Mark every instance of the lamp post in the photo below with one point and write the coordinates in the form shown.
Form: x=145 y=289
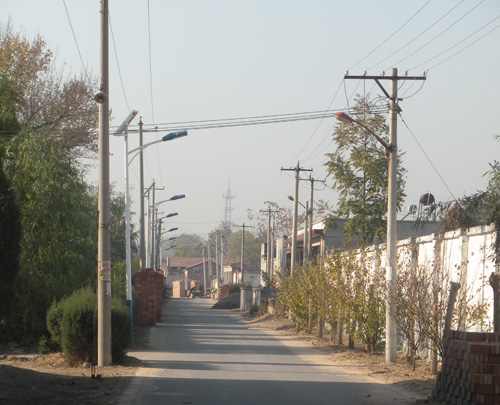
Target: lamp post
x=123 y=128
x=152 y=225
x=391 y=149
x=157 y=253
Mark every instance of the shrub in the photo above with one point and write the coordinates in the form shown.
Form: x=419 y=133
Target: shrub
x=72 y=324
x=54 y=318
x=77 y=326
x=120 y=329
x=233 y=288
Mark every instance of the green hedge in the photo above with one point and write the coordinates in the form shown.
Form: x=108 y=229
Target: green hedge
x=71 y=325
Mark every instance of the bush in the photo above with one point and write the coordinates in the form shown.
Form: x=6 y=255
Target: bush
x=120 y=329
x=233 y=288
x=54 y=318
x=71 y=324
x=77 y=326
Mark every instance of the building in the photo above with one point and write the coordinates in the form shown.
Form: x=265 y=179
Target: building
x=322 y=241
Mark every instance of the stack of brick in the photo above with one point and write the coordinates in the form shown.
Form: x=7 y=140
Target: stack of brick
x=223 y=291
x=158 y=282
x=470 y=372
x=178 y=289
x=148 y=284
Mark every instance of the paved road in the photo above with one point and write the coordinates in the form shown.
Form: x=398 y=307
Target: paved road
x=202 y=356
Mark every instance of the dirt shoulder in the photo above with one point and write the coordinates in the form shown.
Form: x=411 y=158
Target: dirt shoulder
x=419 y=383
x=28 y=378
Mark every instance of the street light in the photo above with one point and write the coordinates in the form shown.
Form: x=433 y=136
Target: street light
x=391 y=150
x=152 y=226
x=123 y=128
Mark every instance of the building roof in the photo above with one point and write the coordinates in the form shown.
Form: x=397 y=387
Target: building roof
x=183 y=262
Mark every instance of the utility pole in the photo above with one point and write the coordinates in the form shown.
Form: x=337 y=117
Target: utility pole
x=217 y=258
x=270 y=241
x=391 y=271
x=222 y=256
x=297 y=171
x=312 y=180
x=243 y=248
x=150 y=225
x=305 y=255
x=142 y=246
x=103 y=248
x=204 y=272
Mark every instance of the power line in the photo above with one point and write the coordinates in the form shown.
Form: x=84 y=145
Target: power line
x=117 y=62
x=441 y=33
x=390 y=36
x=76 y=41
x=427 y=156
x=418 y=36
x=150 y=66
x=461 y=41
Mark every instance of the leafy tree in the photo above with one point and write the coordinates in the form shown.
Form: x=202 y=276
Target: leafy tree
x=188 y=245
x=10 y=222
x=358 y=168
x=49 y=101
x=58 y=245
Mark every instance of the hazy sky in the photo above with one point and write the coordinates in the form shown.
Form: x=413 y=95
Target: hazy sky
x=216 y=59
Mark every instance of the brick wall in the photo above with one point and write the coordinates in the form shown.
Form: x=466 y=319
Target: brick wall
x=178 y=289
x=148 y=284
x=470 y=372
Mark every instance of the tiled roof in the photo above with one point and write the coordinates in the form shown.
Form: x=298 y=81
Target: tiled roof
x=183 y=262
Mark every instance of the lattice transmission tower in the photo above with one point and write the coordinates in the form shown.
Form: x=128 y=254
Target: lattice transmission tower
x=228 y=207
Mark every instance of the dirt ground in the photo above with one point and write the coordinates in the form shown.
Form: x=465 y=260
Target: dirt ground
x=27 y=378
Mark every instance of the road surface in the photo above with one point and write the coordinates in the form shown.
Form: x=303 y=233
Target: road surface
x=202 y=356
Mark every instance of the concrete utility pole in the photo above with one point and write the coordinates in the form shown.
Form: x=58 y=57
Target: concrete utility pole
x=391 y=271
x=217 y=258
x=103 y=247
x=142 y=242
x=204 y=272
x=243 y=249
x=297 y=171
x=269 y=253
x=312 y=180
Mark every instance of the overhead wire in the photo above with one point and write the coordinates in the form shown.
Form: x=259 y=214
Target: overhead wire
x=427 y=156
x=118 y=62
x=390 y=36
x=460 y=42
x=441 y=33
x=418 y=36
x=76 y=41
x=317 y=126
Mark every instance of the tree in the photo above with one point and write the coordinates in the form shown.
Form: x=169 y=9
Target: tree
x=188 y=245
x=282 y=219
x=49 y=101
x=359 y=171
x=58 y=245
x=10 y=222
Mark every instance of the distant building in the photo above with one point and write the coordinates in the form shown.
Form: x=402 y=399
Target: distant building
x=323 y=241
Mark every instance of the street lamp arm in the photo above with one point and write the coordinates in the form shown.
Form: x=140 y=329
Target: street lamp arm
x=169 y=137
x=173 y=198
x=346 y=119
